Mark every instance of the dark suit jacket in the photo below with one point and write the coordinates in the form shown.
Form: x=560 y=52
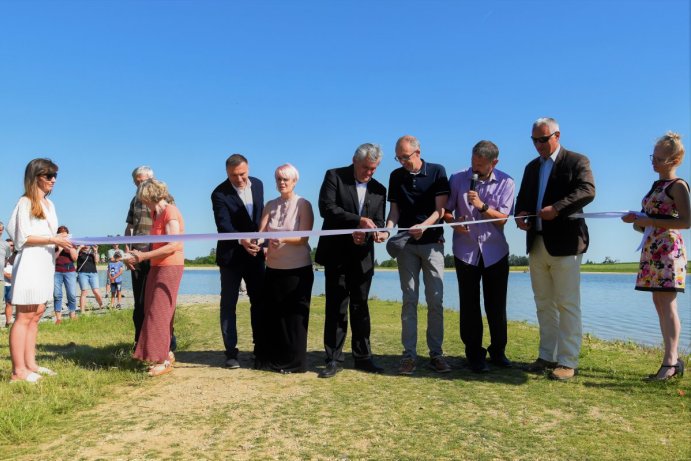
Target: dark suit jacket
x=570 y=187
x=231 y=216
x=338 y=205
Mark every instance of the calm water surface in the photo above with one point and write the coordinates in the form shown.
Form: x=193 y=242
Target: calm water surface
x=611 y=308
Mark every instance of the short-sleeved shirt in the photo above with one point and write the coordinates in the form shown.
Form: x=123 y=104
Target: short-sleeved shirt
x=139 y=219
x=114 y=268
x=484 y=239
x=415 y=195
x=4 y=252
x=158 y=227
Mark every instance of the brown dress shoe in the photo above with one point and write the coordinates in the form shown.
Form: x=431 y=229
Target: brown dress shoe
x=541 y=365
x=562 y=373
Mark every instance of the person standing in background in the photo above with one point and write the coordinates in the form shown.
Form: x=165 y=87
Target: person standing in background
x=65 y=274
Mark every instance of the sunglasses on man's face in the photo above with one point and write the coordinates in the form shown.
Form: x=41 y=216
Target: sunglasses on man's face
x=50 y=176
x=543 y=139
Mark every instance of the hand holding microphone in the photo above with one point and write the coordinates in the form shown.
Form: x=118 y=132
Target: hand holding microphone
x=473 y=197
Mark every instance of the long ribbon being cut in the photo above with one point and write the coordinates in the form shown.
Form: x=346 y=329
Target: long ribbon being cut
x=128 y=239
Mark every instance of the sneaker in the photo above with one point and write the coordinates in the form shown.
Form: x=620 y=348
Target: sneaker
x=232 y=363
x=562 y=373
x=407 y=366
x=439 y=364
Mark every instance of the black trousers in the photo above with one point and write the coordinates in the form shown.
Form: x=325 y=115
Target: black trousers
x=347 y=289
x=252 y=270
x=495 y=280
x=288 y=292
x=138 y=287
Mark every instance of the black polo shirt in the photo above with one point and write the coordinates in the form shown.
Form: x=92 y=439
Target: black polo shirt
x=415 y=196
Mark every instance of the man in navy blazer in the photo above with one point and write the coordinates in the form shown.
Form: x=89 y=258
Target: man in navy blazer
x=238 y=203
x=350 y=199
x=555 y=185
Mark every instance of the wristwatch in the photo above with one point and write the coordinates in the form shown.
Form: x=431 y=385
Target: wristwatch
x=484 y=208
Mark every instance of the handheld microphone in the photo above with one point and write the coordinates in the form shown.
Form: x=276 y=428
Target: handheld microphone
x=473 y=184
x=473 y=181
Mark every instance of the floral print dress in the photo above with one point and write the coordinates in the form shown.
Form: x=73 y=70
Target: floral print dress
x=663 y=258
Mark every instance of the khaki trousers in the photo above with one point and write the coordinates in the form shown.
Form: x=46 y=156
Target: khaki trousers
x=556 y=282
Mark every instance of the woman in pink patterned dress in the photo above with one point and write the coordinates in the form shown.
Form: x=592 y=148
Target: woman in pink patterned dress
x=663 y=257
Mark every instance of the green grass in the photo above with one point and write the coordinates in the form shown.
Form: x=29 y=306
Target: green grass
x=606 y=412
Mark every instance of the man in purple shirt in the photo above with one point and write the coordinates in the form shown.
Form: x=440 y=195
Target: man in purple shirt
x=481 y=252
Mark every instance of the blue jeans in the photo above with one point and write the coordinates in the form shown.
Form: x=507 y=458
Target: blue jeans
x=70 y=281
x=430 y=259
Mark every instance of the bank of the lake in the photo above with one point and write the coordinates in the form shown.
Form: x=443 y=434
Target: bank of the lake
x=101 y=406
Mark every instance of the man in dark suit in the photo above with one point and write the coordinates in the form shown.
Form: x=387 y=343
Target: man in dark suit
x=238 y=203
x=350 y=199
x=555 y=185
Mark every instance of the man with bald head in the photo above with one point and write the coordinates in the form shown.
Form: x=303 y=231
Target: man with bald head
x=555 y=185
x=418 y=192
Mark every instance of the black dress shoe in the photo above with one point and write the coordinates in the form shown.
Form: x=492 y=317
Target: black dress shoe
x=501 y=362
x=330 y=370
x=368 y=365
x=479 y=366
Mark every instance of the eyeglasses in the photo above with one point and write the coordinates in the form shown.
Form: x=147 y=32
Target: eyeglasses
x=543 y=139
x=50 y=176
x=404 y=158
x=664 y=161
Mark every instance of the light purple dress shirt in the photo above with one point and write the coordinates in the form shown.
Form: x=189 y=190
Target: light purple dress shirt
x=484 y=239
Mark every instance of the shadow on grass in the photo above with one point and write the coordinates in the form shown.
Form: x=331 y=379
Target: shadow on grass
x=113 y=355
x=315 y=363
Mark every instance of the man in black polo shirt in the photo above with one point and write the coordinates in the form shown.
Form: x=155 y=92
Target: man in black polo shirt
x=418 y=192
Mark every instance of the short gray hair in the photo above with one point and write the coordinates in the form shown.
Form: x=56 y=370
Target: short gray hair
x=550 y=122
x=371 y=152
x=486 y=149
x=142 y=170
x=411 y=140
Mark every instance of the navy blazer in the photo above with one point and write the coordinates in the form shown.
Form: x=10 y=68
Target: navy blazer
x=570 y=187
x=232 y=216
x=338 y=205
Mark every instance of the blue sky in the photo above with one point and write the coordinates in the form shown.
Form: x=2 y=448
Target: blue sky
x=101 y=87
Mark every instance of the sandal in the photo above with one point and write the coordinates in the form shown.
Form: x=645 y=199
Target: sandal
x=161 y=368
x=31 y=378
x=45 y=371
x=678 y=372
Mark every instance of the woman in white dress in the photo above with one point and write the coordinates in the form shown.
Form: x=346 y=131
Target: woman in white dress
x=33 y=227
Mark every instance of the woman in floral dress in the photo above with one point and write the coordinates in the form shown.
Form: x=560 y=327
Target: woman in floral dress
x=666 y=212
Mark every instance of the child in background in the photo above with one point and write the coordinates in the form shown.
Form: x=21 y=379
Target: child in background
x=7 y=275
x=115 y=269
x=662 y=270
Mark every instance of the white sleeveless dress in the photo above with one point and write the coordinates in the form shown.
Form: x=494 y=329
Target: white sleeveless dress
x=34 y=266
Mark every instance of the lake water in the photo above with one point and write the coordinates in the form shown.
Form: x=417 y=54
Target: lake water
x=611 y=308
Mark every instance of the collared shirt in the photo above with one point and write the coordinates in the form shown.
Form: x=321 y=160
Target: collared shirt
x=361 y=188
x=415 y=194
x=545 y=170
x=246 y=196
x=139 y=219
x=484 y=239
